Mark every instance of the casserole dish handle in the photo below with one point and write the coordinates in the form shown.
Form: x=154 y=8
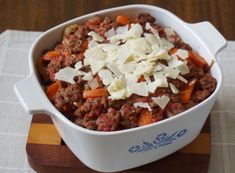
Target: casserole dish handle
x=27 y=92
x=209 y=35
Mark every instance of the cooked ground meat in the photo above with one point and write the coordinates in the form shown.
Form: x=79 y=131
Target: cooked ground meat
x=175 y=108
x=75 y=41
x=143 y=18
x=108 y=121
x=195 y=71
x=92 y=108
x=199 y=95
x=66 y=96
x=102 y=113
x=54 y=66
x=208 y=83
x=129 y=116
x=101 y=26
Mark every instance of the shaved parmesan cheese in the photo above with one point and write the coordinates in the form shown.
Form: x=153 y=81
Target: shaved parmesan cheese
x=122 y=29
x=78 y=65
x=147 y=78
x=158 y=54
x=95 y=53
x=106 y=76
x=110 y=33
x=151 y=39
x=140 y=88
x=108 y=47
x=66 y=74
x=128 y=67
x=143 y=67
x=160 y=79
x=87 y=76
x=95 y=36
x=173 y=88
x=164 y=44
x=170 y=72
x=182 y=53
x=182 y=79
x=161 y=101
x=140 y=45
x=135 y=31
x=131 y=77
x=117 y=84
x=153 y=30
x=142 y=105
x=114 y=68
x=179 y=65
x=96 y=65
x=117 y=88
x=170 y=34
x=123 y=55
x=157 y=68
x=117 y=95
x=92 y=43
x=183 y=68
x=86 y=61
x=152 y=86
x=93 y=84
x=174 y=62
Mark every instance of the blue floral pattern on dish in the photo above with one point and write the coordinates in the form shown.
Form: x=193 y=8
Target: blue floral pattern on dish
x=160 y=140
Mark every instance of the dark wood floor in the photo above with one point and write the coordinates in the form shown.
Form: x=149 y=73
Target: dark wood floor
x=40 y=15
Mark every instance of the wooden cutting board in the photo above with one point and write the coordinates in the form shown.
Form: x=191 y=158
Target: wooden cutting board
x=47 y=153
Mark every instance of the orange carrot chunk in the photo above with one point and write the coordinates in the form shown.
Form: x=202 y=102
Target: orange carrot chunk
x=145 y=118
x=52 y=89
x=197 y=59
x=186 y=93
x=172 y=51
x=122 y=19
x=50 y=55
x=98 y=92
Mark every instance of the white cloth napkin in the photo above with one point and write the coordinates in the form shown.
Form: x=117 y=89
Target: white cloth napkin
x=14 y=122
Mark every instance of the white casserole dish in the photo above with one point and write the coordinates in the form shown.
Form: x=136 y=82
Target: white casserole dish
x=120 y=150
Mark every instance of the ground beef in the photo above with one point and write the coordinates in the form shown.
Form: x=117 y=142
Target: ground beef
x=160 y=30
x=208 y=83
x=175 y=108
x=75 y=41
x=116 y=104
x=199 y=95
x=66 y=96
x=195 y=71
x=129 y=116
x=181 y=45
x=54 y=66
x=143 y=18
x=178 y=83
x=101 y=26
x=72 y=59
x=92 y=108
x=108 y=121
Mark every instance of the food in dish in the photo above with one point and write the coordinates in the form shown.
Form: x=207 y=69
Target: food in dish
x=111 y=74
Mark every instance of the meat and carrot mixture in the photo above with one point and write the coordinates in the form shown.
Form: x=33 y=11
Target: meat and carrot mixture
x=110 y=74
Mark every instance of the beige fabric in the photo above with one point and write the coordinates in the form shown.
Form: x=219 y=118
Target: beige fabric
x=14 y=122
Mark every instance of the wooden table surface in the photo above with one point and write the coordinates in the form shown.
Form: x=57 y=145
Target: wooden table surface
x=40 y=15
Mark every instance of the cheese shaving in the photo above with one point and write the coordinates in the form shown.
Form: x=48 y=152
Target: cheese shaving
x=95 y=36
x=161 y=101
x=66 y=74
x=173 y=88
